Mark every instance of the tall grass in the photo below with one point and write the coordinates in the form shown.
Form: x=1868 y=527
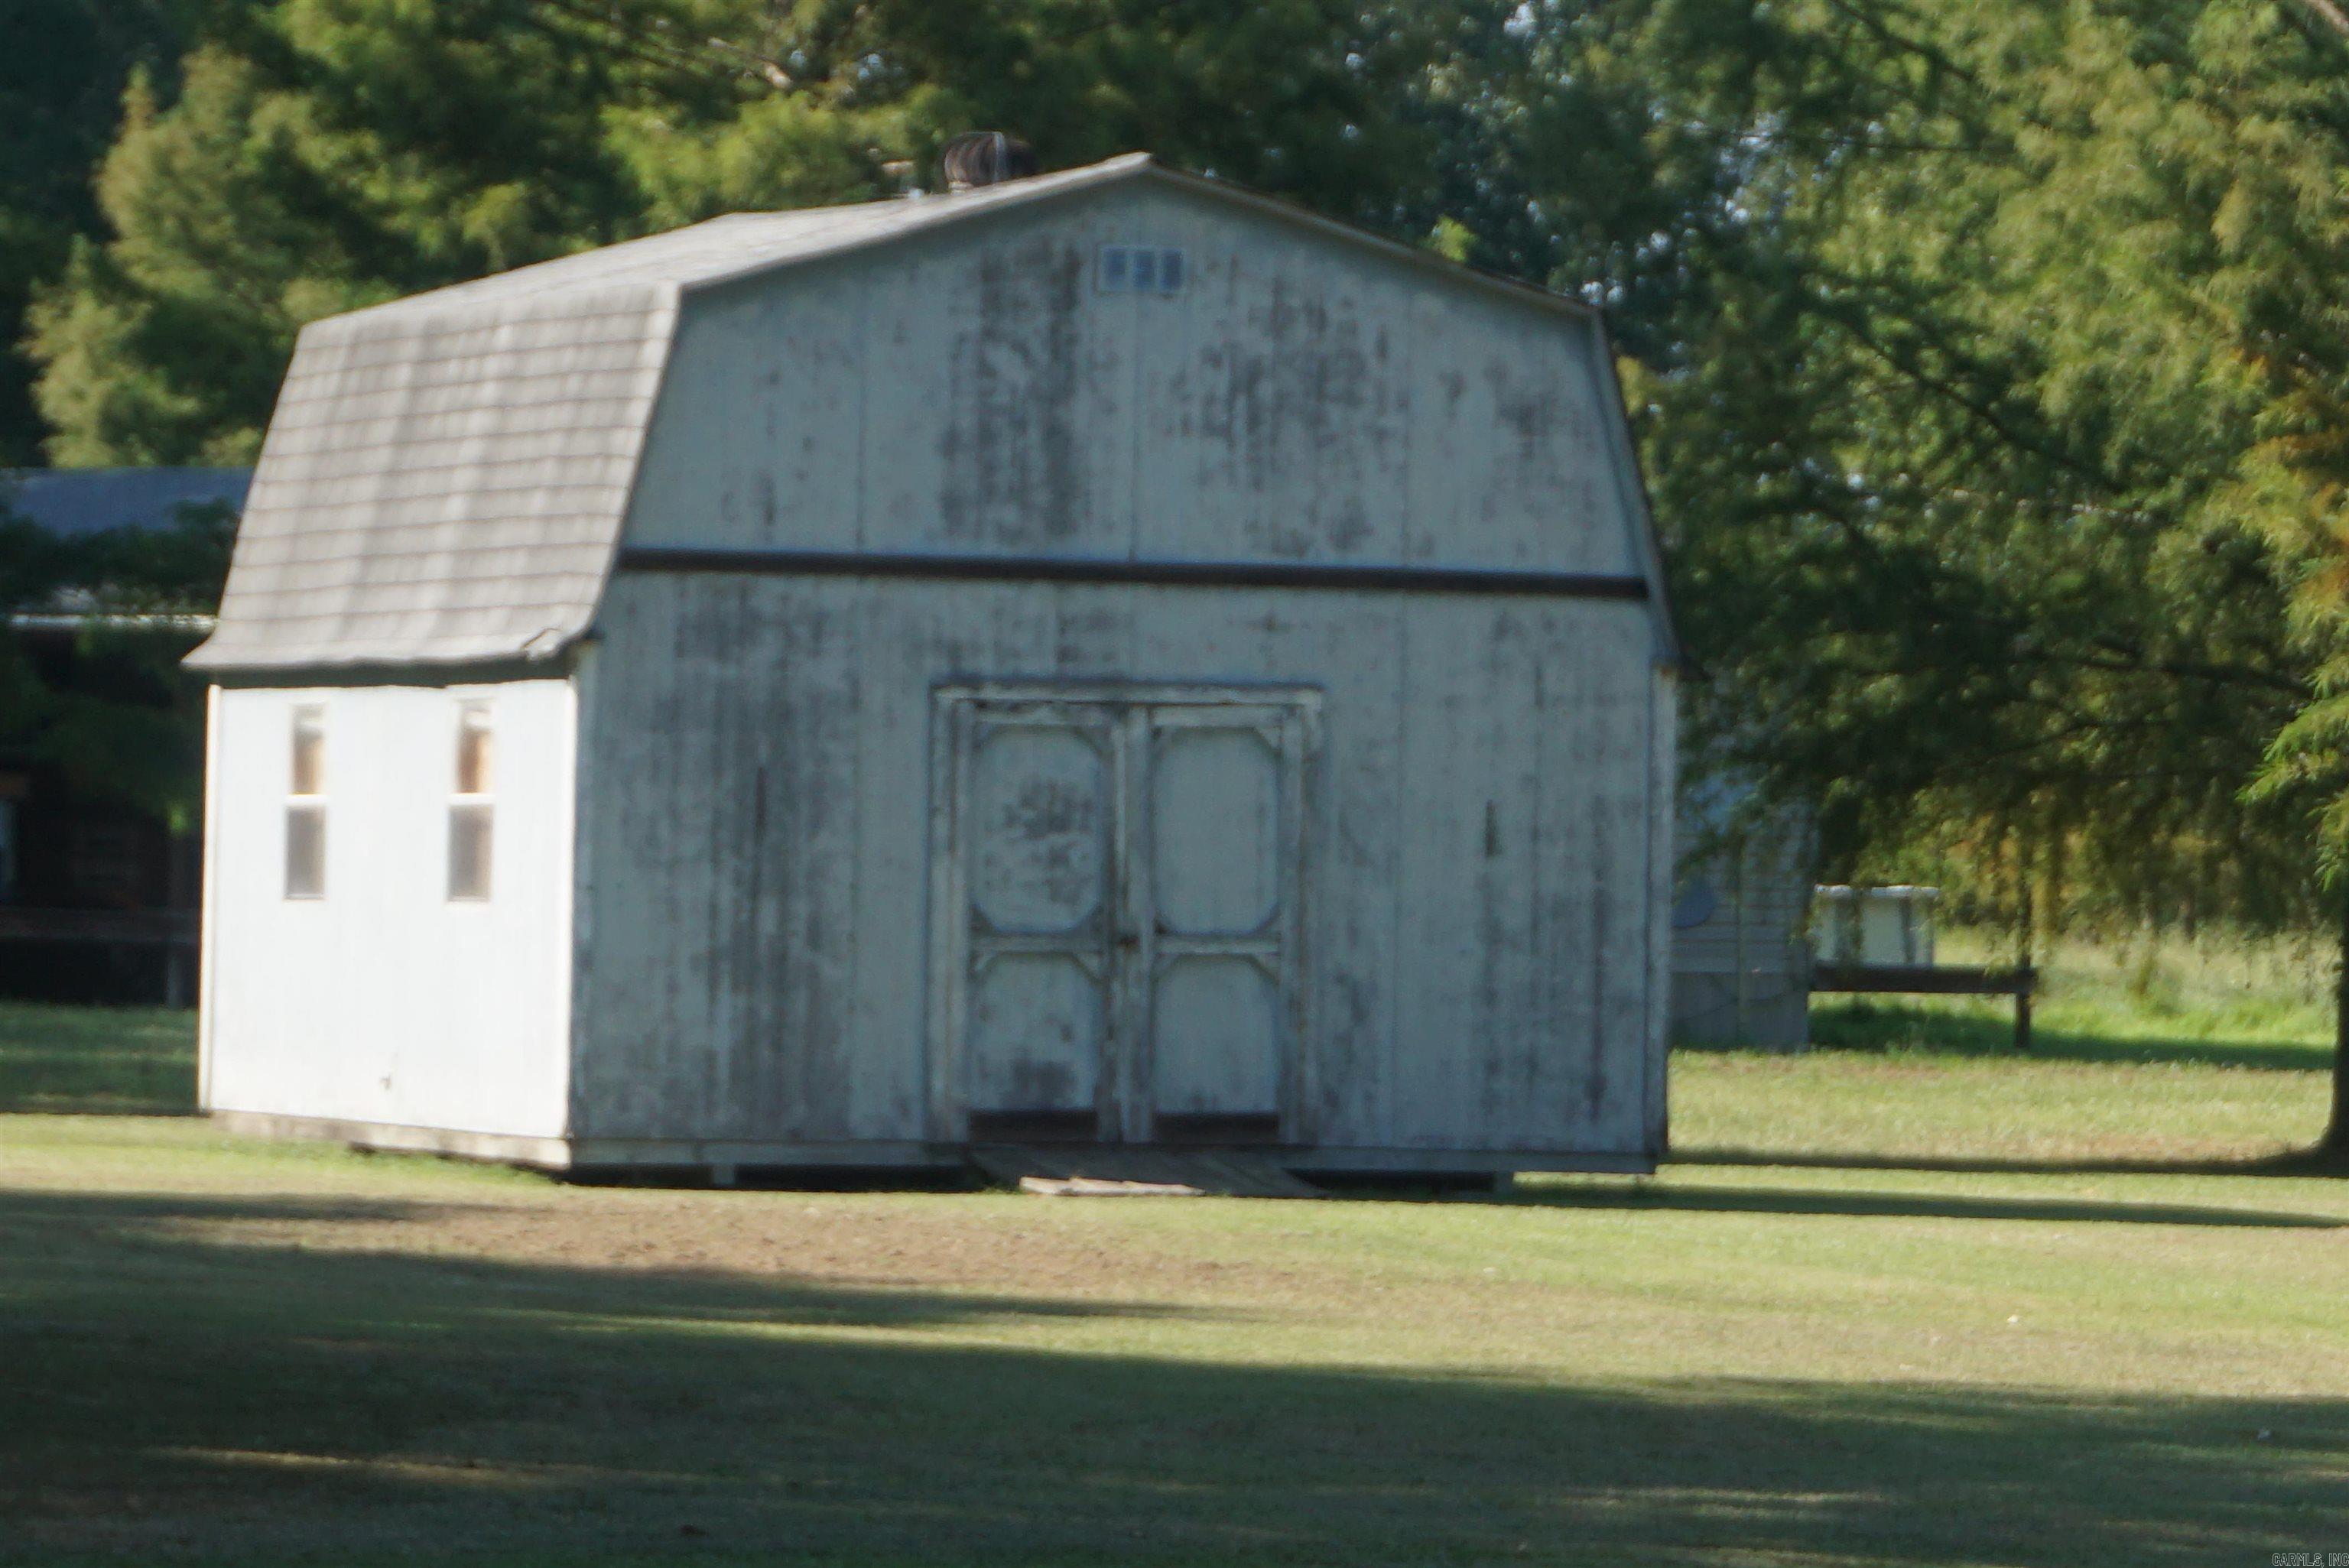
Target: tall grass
x=2140 y=997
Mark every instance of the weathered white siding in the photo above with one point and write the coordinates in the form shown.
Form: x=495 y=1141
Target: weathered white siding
x=1663 y=791
x=1299 y=400
x=1480 y=948
x=1741 y=970
x=1468 y=940
x=384 y=1002
x=1480 y=954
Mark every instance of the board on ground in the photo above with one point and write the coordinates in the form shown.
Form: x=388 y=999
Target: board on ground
x=1087 y=1171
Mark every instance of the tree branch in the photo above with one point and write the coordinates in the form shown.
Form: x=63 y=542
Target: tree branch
x=2331 y=14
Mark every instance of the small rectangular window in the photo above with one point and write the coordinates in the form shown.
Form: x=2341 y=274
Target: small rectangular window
x=474 y=749
x=306 y=851
x=309 y=752
x=472 y=808
x=305 y=806
x=1139 y=269
x=468 y=852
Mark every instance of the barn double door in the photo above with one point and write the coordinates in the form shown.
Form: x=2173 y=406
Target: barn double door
x=1117 y=884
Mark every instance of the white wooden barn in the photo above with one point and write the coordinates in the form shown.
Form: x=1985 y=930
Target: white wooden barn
x=1104 y=657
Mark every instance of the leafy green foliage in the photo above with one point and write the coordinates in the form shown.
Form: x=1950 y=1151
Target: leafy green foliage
x=1974 y=534
x=119 y=720
x=322 y=155
x=63 y=66
x=1988 y=359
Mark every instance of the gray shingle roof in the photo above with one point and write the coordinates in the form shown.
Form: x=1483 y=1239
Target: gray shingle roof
x=445 y=477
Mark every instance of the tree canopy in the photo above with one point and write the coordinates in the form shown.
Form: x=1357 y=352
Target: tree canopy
x=320 y=155
x=63 y=67
x=1982 y=534
x=1987 y=359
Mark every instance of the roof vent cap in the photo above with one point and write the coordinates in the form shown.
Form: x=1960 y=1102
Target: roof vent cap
x=978 y=158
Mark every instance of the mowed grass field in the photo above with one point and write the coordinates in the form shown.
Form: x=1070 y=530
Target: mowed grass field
x=1898 y=1301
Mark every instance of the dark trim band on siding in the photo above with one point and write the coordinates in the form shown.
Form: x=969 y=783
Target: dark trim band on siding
x=1147 y=574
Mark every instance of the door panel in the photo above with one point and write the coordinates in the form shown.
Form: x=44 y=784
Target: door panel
x=1036 y=1028
x=1041 y=815
x=1216 y=1038
x=1038 y=816
x=1220 y=886
x=1215 y=820
x=1117 y=877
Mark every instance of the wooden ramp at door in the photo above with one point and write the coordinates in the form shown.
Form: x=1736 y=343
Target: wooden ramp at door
x=1112 y=1173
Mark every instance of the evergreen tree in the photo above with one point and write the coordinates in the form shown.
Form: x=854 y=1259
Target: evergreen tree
x=63 y=67
x=324 y=154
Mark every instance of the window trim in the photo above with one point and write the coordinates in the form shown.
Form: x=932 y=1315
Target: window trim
x=475 y=716
x=304 y=721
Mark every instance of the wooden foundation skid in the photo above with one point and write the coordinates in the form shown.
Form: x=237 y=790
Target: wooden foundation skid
x=719 y=1162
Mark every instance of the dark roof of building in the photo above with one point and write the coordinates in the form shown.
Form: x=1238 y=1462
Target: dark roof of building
x=74 y=502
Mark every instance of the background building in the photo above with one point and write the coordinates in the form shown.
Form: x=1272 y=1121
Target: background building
x=100 y=732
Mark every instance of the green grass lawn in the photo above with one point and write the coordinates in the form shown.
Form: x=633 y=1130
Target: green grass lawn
x=1891 y=1304
x=128 y=1059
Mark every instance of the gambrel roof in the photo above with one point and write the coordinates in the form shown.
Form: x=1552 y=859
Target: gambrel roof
x=446 y=477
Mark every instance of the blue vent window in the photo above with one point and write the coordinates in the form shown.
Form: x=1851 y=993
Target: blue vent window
x=1139 y=269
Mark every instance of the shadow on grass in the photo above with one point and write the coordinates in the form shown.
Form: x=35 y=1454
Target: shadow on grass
x=1913 y=1205
x=176 y=1395
x=1879 y=1028
x=675 y=1297
x=2300 y=1162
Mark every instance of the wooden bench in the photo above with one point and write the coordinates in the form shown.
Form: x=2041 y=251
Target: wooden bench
x=1935 y=980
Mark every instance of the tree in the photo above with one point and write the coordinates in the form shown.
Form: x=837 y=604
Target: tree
x=325 y=154
x=1995 y=429
x=63 y=67
x=1988 y=359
